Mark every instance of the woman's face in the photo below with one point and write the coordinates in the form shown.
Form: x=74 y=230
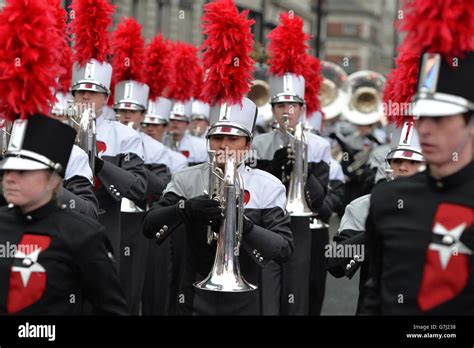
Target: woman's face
x=29 y=189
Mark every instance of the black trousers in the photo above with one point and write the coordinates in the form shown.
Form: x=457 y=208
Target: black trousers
x=294 y=299
x=133 y=257
x=318 y=273
x=157 y=286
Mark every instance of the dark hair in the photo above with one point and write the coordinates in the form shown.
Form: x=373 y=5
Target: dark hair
x=467 y=116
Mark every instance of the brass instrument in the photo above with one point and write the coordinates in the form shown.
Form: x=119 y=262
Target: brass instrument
x=335 y=90
x=170 y=142
x=4 y=136
x=365 y=106
x=225 y=274
x=360 y=159
x=83 y=121
x=296 y=204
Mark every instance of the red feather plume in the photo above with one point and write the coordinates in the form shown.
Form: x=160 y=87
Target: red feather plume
x=30 y=50
x=443 y=26
x=400 y=87
x=227 y=49
x=313 y=80
x=287 y=48
x=91 y=20
x=128 y=47
x=198 y=86
x=158 y=66
x=65 y=75
x=183 y=71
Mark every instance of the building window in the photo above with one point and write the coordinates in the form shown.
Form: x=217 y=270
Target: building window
x=350 y=29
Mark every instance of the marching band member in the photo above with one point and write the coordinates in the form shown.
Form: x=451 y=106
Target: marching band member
x=199 y=118
x=365 y=111
x=119 y=166
x=433 y=229
x=177 y=137
x=78 y=190
x=288 y=283
x=265 y=230
x=130 y=103
x=185 y=74
x=62 y=258
x=404 y=160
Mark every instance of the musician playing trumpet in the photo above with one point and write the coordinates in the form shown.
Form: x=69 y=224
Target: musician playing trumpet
x=292 y=156
x=265 y=233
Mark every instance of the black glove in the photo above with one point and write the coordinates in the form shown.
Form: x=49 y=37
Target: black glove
x=202 y=209
x=282 y=163
x=98 y=164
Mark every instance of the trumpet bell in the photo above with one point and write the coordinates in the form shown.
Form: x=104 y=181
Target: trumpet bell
x=317 y=224
x=224 y=280
x=298 y=207
x=128 y=206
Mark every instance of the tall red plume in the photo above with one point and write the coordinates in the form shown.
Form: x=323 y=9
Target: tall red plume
x=287 y=48
x=183 y=71
x=30 y=50
x=65 y=76
x=400 y=87
x=443 y=26
x=158 y=66
x=128 y=47
x=199 y=85
x=313 y=80
x=91 y=20
x=227 y=51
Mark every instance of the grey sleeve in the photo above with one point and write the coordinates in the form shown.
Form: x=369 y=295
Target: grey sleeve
x=270 y=237
x=128 y=178
x=78 y=194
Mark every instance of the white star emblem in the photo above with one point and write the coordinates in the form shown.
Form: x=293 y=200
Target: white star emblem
x=28 y=259
x=449 y=236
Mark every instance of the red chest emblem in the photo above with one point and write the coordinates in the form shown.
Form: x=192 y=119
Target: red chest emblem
x=27 y=276
x=185 y=153
x=101 y=148
x=446 y=270
x=246 y=197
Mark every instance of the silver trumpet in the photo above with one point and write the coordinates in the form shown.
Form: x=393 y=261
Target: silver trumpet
x=127 y=205
x=296 y=202
x=225 y=274
x=170 y=142
x=83 y=121
x=4 y=137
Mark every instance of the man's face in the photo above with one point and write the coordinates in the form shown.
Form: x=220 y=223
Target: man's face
x=442 y=137
x=23 y=187
x=178 y=127
x=293 y=110
x=155 y=131
x=99 y=100
x=229 y=146
x=198 y=127
x=134 y=116
x=404 y=167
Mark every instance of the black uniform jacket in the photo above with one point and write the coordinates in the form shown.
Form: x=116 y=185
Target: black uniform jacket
x=53 y=261
x=420 y=240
